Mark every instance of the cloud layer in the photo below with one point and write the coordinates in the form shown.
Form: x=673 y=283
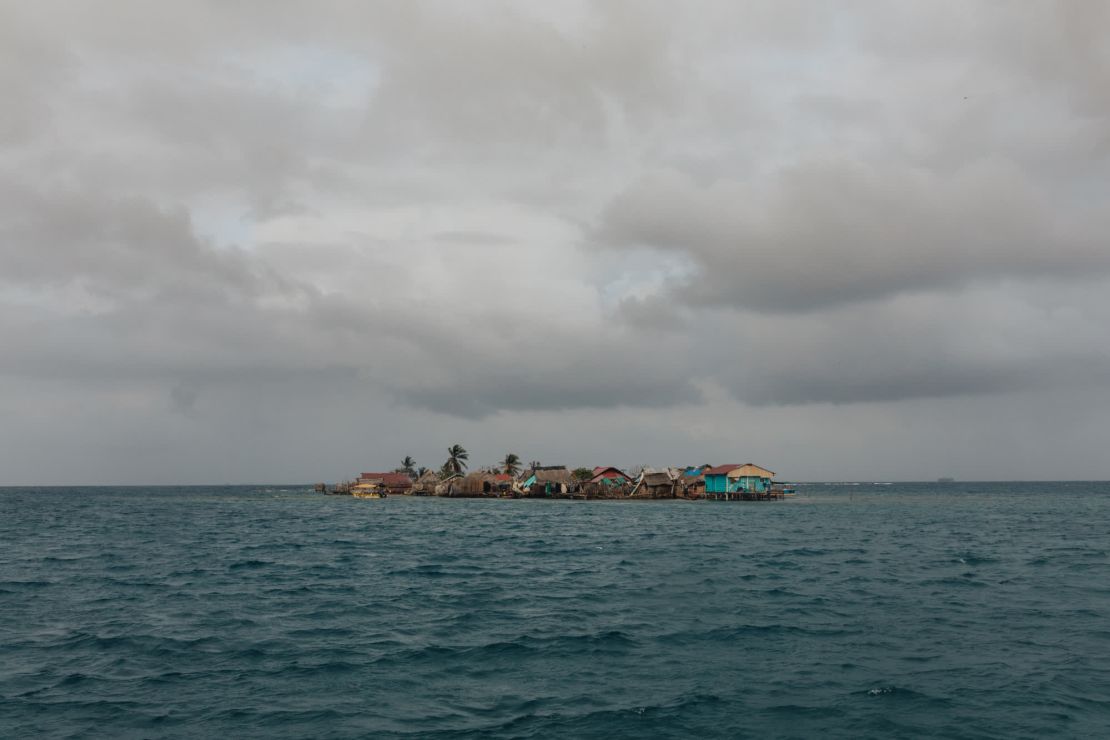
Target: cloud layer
x=604 y=231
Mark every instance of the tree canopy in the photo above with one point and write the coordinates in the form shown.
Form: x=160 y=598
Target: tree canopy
x=456 y=458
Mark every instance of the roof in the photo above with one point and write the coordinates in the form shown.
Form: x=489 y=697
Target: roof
x=749 y=469
x=476 y=479
x=553 y=475
x=658 y=479
x=600 y=473
x=754 y=470
x=401 y=480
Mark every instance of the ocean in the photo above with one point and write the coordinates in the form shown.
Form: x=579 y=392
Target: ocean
x=951 y=610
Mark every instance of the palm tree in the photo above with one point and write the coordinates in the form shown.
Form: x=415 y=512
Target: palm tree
x=511 y=464
x=408 y=465
x=456 y=458
x=420 y=471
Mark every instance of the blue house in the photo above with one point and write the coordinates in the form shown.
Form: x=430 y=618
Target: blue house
x=725 y=480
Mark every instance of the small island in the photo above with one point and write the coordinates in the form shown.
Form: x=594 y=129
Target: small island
x=511 y=479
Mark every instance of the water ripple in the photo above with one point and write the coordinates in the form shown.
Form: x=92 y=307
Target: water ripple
x=271 y=612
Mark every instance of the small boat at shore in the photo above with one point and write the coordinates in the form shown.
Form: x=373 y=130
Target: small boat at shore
x=367 y=490
x=368 y=494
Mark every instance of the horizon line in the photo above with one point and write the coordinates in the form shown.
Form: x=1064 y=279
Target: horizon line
x=795 y=482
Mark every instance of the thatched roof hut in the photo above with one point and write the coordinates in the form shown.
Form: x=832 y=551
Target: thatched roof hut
x=549 y=480
x=691 y=482
x=426 y=483
x=392 y=482
x=554 y=475
x=480 y=483
x=658 y=485
x=448 y=486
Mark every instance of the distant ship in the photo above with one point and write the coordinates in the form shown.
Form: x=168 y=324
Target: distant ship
x=946 y=480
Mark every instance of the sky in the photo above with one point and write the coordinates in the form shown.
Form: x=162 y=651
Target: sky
x=289 y=242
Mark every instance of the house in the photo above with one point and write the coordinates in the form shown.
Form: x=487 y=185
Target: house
x=486 y=484
x=395 y=483
x=474 y=483
x=658 y=484
x=738 y=479
x=689 y=482
x=425 y=484
x=548 y=481
x=610 y=477
x=449 y=485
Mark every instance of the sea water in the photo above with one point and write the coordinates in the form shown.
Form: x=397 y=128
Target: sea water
x=863 y=611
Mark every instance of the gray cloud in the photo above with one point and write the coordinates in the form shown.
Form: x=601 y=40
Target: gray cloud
x=115 y=245
x=824 y=234
x=629 y=232
x=552 y=373
x=919 y=346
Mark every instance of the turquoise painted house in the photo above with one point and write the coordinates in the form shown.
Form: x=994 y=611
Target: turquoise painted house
x=746 y=478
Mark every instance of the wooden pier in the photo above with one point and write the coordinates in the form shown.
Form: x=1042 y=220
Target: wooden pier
x=771 y=494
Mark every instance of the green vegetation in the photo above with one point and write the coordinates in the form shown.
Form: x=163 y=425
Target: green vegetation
x=456 y=459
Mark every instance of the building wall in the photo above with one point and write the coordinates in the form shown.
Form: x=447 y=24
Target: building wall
x=725 y=484
x=752 y=483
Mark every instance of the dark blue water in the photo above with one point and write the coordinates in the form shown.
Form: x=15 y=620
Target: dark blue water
x=955 y=610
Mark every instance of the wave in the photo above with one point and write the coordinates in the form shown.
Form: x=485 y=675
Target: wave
x=218 y=612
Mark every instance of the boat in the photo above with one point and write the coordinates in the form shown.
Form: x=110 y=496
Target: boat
x=367 y=490
x=368 y=494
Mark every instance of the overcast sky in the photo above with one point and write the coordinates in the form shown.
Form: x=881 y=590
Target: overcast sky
x=272 y=241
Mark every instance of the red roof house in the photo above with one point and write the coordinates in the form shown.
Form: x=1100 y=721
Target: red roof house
x=610 y=476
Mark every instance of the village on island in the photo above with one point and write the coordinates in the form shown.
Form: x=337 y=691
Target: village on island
x=512 y=479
